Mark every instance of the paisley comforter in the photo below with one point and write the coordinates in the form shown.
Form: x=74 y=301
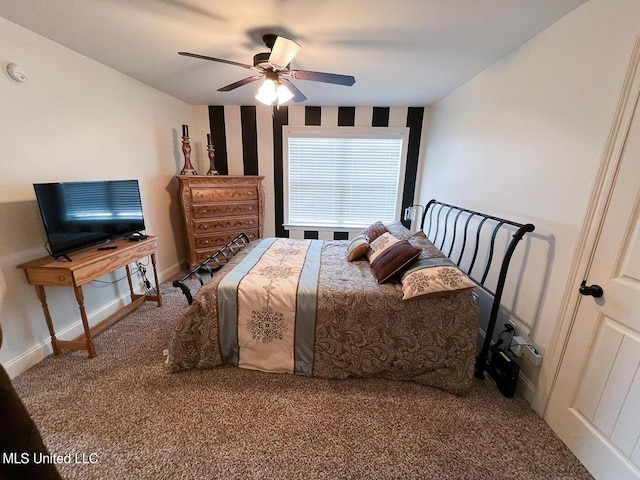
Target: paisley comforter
x=362 y=329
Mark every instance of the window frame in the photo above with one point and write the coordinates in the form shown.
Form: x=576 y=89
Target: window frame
x=342 y=132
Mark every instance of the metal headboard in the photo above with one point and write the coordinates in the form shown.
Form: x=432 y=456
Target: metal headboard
x=444 y=224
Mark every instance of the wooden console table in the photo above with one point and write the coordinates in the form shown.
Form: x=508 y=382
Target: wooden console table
x=87 y=265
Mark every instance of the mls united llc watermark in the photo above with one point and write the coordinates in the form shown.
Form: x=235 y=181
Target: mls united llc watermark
x=25 y=458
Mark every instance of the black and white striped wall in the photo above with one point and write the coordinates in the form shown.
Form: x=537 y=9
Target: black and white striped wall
x=248 y=141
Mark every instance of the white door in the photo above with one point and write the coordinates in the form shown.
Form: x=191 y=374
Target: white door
x=595 y=403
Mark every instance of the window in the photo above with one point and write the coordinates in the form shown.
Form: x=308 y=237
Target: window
x=109 y=199
x=346 y=177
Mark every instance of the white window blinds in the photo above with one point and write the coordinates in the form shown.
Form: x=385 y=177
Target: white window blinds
x=344 y=177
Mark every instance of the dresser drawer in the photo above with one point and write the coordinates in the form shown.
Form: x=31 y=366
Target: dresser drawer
x=206 y=246
x=225 y=210
x=203 y=195
x=219 y=240
x=238 y=224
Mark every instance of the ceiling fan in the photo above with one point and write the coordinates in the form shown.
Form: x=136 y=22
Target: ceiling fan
x=273 y=66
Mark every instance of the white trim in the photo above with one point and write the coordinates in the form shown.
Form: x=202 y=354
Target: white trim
x=592 y=225
x=324 y=228
x=345 y=132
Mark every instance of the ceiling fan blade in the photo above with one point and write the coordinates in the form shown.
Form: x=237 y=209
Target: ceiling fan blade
x=220 y=60
x=239 y=83
x=346 y=80
x=283 y=52
x=298 y=96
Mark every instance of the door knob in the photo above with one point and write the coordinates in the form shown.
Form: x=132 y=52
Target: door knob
x=593 y=290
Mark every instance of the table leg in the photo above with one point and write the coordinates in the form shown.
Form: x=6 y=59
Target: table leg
x=85 y=322
x=47 y=316
x=129 y=280
x=155 y=278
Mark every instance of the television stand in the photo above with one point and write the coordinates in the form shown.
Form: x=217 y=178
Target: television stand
x=83 y=267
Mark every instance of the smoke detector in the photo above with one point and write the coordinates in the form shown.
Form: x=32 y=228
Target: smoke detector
x=16 y=73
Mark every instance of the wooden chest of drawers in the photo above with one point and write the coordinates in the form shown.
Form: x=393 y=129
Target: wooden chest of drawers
x=217 y=208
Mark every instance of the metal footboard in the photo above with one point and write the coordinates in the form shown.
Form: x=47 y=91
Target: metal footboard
x=212 y=263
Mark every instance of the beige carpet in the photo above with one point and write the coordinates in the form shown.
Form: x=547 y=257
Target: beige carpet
x=128 y=418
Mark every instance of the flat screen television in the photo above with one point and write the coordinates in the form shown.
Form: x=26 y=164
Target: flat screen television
x=81 y=214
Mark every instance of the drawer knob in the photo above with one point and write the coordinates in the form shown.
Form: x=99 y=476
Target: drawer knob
x=61 y=278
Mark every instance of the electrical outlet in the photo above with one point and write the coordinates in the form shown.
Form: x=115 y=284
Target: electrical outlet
x=517 y=345
x=532 y=355
x=520 y=327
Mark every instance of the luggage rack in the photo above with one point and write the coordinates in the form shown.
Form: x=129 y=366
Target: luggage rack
x=226 y=252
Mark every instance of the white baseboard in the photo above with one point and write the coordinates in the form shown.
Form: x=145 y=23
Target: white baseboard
x=28 y=359
x=171 y=271
x=38 y=352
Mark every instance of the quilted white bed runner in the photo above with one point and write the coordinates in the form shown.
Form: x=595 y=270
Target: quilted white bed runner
x=267 y=307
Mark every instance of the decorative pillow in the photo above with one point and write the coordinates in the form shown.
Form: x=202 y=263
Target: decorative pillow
x=358 y=247
x=374 y=231
x=418 y=235
x=394 y=260
x=380 y=244
x=434 y=278
x=429 y=250
x=398 y=230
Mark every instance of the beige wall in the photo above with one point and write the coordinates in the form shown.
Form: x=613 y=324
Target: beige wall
x=75 y=119
x=524 y=140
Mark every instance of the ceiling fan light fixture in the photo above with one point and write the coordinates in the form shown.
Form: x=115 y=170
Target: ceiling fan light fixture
x=272 y=91
x=267 y=93
x=284 y=94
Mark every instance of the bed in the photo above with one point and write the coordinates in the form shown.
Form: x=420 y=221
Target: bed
x=388 y=303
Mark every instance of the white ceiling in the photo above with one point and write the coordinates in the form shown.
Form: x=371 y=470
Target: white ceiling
x=401 y=52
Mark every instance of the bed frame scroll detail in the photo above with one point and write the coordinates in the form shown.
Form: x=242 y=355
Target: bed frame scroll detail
x=212 y=263
x=442 y=223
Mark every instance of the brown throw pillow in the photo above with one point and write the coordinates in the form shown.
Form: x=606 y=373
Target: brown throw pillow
x=358 y=247
x=394 y=260
x=373 y=231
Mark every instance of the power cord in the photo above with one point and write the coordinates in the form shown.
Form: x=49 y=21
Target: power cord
x=508 y=329
x=142 y=270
